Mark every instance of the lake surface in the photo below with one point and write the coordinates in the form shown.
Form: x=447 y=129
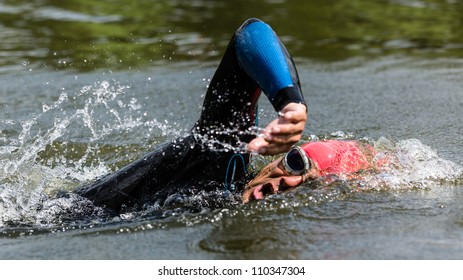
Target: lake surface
x=89 y=86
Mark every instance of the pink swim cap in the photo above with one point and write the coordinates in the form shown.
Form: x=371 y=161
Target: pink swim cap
x=321 y=153
x=336 y=157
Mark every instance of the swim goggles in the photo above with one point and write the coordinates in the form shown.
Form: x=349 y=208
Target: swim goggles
x=296 y=161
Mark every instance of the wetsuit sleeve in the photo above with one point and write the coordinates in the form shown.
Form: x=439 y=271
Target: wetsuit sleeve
x=264 y=58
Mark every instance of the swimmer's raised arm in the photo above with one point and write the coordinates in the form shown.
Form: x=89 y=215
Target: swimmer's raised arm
x=265 y=59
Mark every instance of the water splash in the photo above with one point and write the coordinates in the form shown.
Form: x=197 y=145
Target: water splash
x=412 y=165
x=235 y=144
x=65 y=145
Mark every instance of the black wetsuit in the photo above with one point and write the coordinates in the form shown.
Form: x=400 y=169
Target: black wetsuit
x=255 y=60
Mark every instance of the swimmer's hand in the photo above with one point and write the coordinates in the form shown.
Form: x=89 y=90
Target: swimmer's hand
x=273 y=179
x=282 y=133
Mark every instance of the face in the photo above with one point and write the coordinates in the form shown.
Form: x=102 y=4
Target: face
x=272 y=179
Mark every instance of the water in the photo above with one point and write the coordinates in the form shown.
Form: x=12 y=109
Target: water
x=97 y=87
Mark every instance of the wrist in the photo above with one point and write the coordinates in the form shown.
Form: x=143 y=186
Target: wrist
x=298 y=109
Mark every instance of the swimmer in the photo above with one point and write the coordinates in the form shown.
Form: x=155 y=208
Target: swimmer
x=311 y=161
x=255 y=61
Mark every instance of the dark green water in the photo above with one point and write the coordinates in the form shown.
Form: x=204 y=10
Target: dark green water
x=88 y=86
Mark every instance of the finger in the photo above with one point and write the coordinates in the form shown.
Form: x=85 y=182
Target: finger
x=275 y=145
x=284 y=139
x=266 y=148
x=286 y=129
x=293 y=117
x=256 y=144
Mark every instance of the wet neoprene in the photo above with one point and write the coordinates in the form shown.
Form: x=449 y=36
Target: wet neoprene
x=254 y=60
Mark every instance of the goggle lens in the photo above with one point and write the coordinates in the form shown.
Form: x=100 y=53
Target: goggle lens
x=295 y=160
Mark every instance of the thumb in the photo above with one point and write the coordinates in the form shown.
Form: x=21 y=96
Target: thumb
x=256 y=144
